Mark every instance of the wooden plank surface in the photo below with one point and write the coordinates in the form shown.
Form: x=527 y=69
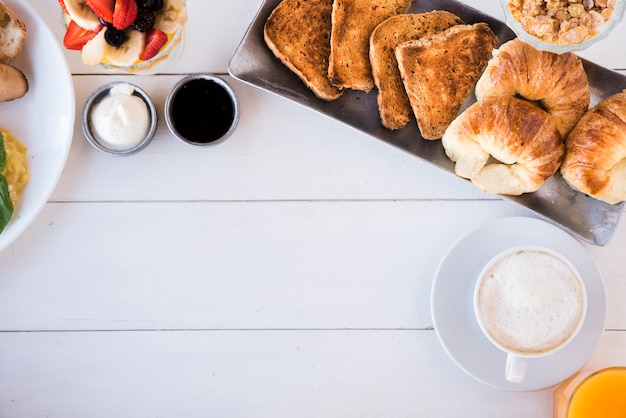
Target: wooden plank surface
x=286 y=272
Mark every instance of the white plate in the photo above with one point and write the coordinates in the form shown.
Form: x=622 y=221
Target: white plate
x=453 y=314
x=43 y=119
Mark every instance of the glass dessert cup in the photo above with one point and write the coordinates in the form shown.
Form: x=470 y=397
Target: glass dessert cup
x=116 y=45
x=603 y=30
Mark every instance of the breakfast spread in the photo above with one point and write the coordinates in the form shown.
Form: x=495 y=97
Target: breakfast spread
x=523 y=139
x=595 y=156
x=123 y=33
x=352 y=24
x=562 y=22
x=13 y=175
x=426 y=65
x=120 y=120
x=13 y=31
x=557 y=81
x=393 y=102
x=439 y=72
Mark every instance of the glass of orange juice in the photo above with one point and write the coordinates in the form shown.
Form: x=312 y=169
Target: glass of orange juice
x=600 y=393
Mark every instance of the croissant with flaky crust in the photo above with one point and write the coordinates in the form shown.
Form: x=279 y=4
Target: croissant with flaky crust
x=504 y=145
x=595 y=151
x=559 y=82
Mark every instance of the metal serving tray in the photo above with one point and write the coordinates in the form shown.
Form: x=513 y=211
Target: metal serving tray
x=587 y=218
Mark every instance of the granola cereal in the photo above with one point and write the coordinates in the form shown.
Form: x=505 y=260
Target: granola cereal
x=562 y=22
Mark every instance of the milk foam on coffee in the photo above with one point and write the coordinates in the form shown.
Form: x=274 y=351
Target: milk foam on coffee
x=531 y=302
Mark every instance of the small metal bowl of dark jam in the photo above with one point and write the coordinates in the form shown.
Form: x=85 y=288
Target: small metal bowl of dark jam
x=202 y=109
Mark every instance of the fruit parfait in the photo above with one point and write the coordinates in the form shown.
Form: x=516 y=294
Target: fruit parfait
x=128 y=36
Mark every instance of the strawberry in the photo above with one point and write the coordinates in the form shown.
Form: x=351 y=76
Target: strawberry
x=102 y=8
x=155 y=39
x=124 y=13
x=62 y=3
x=76 y=37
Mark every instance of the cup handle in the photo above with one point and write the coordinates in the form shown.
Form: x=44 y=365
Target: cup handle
x=516 y=368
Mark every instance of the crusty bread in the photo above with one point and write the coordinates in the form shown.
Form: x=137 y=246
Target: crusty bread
x=504 y=145
x=12 y=33
x=439 y=72
x=393 y=103
x=13 y=83
x=352 y=24
x=558 y=81
x=298 y=33
x=595 y=151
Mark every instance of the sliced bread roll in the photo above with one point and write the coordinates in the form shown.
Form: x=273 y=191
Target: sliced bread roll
x=393 y=102
x=12 y=33
x=439 y=72
x=352 y=24
x=298 y=33
x=13 y=83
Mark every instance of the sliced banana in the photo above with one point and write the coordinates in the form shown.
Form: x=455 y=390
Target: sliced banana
x=171 y=16
x=95 y=50
x=82 y=14
x=66 y=19
x=128 y=53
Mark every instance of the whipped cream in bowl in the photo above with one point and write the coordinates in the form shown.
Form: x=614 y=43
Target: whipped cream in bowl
x=119 y=118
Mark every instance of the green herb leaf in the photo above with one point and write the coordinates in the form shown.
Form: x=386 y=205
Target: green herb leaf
x=6 y=206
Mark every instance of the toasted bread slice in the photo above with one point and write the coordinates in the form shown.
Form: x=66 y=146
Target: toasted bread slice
x=393 y=103
x=12 y=33
x=352 y=24
x=13 y=83
x=298 y=33
x=440 y=71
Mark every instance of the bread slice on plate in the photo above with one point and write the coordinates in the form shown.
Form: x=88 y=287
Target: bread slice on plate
x=298 y=33
x=352 y=24
x=13 y=83
x=393 y=102
x=440 y=71
x=12 y=33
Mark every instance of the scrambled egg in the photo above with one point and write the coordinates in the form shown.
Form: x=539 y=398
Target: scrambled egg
x=16 y=170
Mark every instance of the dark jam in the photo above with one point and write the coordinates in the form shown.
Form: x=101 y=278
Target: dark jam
x=202 y=111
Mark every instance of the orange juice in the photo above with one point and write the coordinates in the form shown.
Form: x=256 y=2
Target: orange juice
x=599 y=394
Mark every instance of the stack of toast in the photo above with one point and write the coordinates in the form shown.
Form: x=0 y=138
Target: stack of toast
x=13 y=83
x=425 y=64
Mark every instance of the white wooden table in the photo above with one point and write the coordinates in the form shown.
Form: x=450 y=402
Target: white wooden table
x=285 y=272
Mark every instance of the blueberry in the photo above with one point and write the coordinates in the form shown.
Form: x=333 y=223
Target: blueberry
x=150 y=4
x=114 y=37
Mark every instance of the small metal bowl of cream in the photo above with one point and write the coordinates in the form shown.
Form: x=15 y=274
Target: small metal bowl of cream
x=119 y=118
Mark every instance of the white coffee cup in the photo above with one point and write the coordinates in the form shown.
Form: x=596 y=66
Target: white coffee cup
x=530 y=302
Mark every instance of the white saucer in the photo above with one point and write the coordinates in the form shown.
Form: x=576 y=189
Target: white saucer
x=453 y=314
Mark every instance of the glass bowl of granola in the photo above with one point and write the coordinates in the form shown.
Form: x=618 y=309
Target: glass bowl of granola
x=562 y=25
